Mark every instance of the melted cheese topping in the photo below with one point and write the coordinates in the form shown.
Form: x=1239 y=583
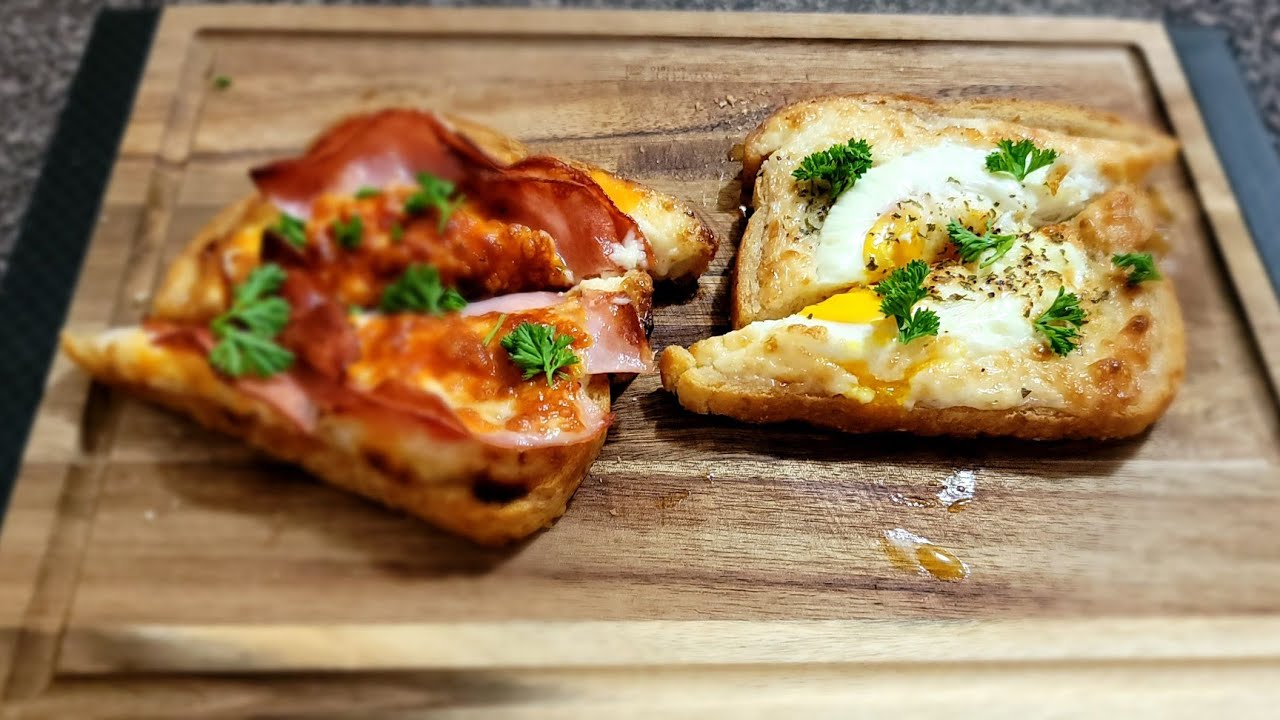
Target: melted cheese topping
x=627 y=196
x=446 y=356
x=898 y=211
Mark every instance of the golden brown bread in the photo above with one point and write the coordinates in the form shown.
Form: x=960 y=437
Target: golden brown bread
x=775 y=271
x=488 y=494
x=1121 y=379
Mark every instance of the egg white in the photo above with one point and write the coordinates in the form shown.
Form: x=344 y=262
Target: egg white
x=944 y=181
x=986 y=329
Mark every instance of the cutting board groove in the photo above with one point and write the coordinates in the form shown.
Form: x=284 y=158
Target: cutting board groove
x=139 y=543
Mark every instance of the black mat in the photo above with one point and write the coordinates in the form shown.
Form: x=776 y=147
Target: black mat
x=45 y=265
x=1243 y=145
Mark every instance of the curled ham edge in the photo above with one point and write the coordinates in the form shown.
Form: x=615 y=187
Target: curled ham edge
x=391 y=147
x=613 y=350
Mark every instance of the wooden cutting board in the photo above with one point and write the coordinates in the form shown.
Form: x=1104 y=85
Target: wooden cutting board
x=148 y=566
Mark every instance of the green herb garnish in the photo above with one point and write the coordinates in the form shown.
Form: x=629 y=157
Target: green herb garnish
x=292 y=229
x=1061 y=322
x=973 y=246
x=419 y=290
x=246 y=332
x=397 y=232
x=488 y=338
x=433 y=193
x=836 y=169
x=348 y=234
x=367 y=192
x=1142 y=267
x=536 y=348
x=900 y=291
x=1019 y=159
x=221 y=82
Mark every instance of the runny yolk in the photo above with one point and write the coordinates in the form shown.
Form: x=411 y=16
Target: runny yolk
x=904 y=234
x=855 y=306
x=622 y=193
x=896 y=238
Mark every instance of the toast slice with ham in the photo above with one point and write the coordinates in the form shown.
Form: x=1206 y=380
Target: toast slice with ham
x=417 y=310
x=433 y=418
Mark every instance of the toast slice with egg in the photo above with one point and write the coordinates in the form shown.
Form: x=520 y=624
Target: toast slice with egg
x=927 y=168
x=979 y=267
x=991 y=368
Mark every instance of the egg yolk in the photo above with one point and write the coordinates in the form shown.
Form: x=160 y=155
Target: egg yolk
x=895 y=239
x=904 y=234
x=855 y=306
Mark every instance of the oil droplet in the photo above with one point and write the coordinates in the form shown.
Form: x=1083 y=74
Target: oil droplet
x=941 y=563
x=918 y=555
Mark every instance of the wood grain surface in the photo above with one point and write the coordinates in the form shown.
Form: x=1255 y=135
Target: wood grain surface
x=138 y=543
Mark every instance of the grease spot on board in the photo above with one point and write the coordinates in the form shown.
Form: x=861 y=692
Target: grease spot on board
x=920 y=556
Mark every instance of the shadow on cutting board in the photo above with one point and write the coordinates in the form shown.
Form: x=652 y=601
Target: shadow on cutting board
x=797 y=442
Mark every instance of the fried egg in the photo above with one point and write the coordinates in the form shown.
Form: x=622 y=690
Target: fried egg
x=986 y=318
x=899 y=210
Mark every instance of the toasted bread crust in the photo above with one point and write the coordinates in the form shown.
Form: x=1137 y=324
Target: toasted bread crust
x=1056 y=117
x=487 y=494
x=848 y=415
x=774 y=265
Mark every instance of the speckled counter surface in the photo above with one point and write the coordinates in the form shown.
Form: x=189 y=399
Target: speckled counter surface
x=41 y=42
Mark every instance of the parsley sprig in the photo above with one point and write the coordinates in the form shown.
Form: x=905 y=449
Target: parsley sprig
x=1019 y=159
x=899 y=292
x=419 y=290
x=349 y=233
x=973 y=246
x=1061 y=322
x=537 y=348
x=836 y=169
x=1142 y=267
x=434 y=193
x=292 y=229
x=246 y=331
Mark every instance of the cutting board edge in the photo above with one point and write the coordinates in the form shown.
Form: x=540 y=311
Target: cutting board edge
x=184 y=23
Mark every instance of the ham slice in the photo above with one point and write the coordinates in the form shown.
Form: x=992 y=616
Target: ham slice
x=514 y=303
x=380 y=149
x=620 y=344
x=318 y=330
x=592 y=236
x=282 y=392
x=316 y=384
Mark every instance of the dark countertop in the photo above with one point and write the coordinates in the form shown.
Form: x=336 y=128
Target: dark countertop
x=42 y=41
